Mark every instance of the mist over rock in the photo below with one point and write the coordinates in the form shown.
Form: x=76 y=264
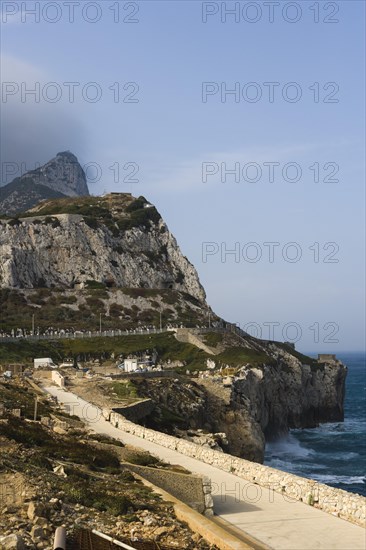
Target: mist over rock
x=62 y=176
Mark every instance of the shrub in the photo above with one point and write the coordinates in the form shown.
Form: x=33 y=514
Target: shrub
x=94 y=284
x=91 y=222
x=14 y=222
x=137 y=204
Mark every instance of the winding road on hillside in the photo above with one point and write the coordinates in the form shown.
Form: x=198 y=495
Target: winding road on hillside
x=244 y=508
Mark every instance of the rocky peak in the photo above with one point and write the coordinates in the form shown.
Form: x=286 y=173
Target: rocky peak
x=62 y=176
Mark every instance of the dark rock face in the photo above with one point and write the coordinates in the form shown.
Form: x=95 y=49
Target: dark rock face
x=60 y=177
x=282 y=397
x=260 y=405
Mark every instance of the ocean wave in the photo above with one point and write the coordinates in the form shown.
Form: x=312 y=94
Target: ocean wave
x=299 y=468
x=339 y=480
x=289 y=447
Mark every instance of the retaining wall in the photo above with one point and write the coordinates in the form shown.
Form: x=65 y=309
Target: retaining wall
x=191 y=489
x=340 y=503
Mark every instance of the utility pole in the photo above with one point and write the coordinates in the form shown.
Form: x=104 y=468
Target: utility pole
x=100 y=323
x=35 y=408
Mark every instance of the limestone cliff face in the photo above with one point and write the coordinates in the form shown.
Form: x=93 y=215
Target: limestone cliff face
x=64 y=250
x=267 y=401
x=263 y=403
x=290 y=394
x=286 y=390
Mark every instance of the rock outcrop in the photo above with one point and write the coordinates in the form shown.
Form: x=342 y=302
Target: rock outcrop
x=60 y=177
x=290 y=394
x=119 y=241
x=262 y=403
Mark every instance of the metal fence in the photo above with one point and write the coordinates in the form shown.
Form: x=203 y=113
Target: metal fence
x=80 y=334
x=114 y=333
x=84 y=539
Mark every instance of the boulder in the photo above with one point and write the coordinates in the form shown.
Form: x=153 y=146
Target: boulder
x=12 y=542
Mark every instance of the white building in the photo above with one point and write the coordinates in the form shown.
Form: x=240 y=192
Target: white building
x=130 y=365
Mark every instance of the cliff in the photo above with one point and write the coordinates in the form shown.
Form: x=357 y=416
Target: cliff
x=112 y=259
x=115 y=240
x=290 y=394
x=266 y=398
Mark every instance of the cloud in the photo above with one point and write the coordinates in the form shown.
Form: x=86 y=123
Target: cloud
x=33 y=132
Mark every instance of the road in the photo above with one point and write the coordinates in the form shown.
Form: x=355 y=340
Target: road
x=249 y=509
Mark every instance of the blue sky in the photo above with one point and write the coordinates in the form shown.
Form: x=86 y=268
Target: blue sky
x=169 y=132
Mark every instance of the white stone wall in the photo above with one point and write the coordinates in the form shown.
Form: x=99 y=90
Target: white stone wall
x=58 y=379
x=340 y=503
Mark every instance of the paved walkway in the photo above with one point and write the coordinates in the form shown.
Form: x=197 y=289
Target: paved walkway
x=263 y=514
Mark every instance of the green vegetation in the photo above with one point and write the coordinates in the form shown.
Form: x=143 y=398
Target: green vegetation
x=236 y=356
x=127 y=212
x=165 y=344
x=50 y=308
x=213 y=338
x=305 y=360
x=15 y=397
x=95 y=477
x=140 y=458
x=125 y=389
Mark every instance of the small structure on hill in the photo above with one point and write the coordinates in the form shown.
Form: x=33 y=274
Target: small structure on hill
x=326 y=357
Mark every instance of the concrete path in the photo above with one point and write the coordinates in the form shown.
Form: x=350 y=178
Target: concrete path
x=247 y=508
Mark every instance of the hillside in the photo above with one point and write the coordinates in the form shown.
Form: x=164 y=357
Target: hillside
x=55 y=472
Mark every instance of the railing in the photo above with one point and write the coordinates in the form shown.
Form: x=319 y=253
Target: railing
x=114 y=333
x=80 y=334
x=84 y=539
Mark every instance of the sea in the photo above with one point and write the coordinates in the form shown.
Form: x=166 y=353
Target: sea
x=333 y=453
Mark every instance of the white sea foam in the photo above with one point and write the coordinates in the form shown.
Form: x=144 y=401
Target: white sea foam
x=289 y=447
x=341 y=480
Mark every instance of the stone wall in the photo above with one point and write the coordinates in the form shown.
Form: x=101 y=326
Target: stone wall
x=58 y=379
x=340 y=503
x=191 y=489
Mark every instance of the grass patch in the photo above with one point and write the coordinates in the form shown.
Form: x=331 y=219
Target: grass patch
x=237 y=356
x=125 y=390
x=213 y=338
x=141 y=459
x=166 y=345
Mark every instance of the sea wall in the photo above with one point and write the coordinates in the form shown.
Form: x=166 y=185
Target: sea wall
x=340 y=503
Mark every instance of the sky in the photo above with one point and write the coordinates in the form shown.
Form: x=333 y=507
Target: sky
x=243 y=122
